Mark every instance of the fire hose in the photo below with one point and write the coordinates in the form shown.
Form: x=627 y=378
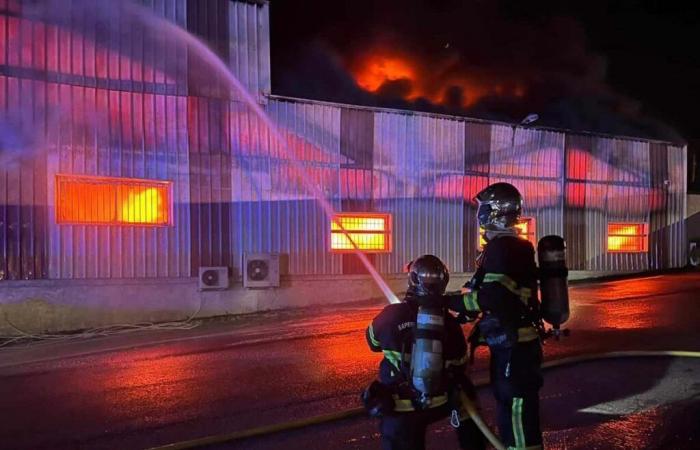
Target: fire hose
x=469 y=406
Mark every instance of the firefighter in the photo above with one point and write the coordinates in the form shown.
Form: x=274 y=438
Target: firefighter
x=408 y=399
x=504 y=291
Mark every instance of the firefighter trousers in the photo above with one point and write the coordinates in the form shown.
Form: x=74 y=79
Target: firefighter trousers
x=406 y=430
x=516 y=378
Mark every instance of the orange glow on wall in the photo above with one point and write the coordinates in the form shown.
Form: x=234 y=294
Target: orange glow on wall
x=371 y=232
x=525 y=228
x=628 y=237
x=88 y=200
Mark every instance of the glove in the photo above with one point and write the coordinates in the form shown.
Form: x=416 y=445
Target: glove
x=497 y=334
x=377 y=399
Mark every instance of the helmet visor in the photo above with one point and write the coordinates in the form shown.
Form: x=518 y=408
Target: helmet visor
x=483 y=213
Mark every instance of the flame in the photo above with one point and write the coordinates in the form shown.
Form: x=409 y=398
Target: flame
x=434 y=81
x=378 y=69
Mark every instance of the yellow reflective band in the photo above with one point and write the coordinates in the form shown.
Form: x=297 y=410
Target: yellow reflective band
x=527 y=334
x=393 y=357
x=374 y=341
x=405 y=405
x=470 y=302
x=517 y=419
x=524 y=293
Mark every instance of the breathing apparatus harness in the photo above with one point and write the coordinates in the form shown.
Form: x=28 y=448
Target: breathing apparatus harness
x=427 y=279
x=554 y=307
x=426 y=382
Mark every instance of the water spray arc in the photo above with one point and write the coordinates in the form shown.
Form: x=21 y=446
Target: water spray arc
x=218 y=65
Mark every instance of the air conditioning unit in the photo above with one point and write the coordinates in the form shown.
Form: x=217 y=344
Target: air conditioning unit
x=213 y=278
x=261 y=270
x=694 y=254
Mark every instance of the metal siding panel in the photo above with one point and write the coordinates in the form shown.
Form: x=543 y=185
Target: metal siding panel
x=418 y=173
x=4 y=225
x=182 y=189
x=618 y=181
x=210 y=186
x=272 y=203
x=658 y=242
x=597 y=218
x=264 y=68
x=532 y=160
x=477 y=150
x=115 y=251
x=22 y=241
x=249 y=46
x=578 y=154
x=677 y=187
x=356 y=138
x=95 y=132
x=13 y=217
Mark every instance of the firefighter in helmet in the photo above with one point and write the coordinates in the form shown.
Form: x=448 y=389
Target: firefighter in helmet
x=422 y=375
x=504 y=291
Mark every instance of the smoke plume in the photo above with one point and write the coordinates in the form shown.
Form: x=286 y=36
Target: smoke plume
x=473 y=58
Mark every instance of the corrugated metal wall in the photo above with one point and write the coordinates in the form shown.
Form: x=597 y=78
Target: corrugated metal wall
x=100 y=103
x=23 y=196
x=249 y=45
x=532 y=160
x=238 y=32
x=356 y=174
x=673 y=232
x=142 y=139
x=616 y=191
x=418 y=169
x=621 y=180
x=108 y=104
x=272 y=212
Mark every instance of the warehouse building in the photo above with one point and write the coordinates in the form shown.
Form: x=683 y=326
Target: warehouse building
x=150 y=197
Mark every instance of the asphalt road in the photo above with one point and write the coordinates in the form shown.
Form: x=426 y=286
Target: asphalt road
x=290 y=365
x=639 y=403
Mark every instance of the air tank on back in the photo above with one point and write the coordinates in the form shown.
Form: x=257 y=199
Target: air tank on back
x=551 y=254
x=426 y=357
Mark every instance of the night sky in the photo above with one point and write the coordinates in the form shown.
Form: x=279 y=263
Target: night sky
x=622 y=67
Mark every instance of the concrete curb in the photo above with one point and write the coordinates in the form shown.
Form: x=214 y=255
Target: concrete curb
x=150 y=342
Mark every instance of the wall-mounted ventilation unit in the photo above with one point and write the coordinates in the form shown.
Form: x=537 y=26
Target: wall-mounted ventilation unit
x=261 y=270
x=213 y=278
x=694 y=254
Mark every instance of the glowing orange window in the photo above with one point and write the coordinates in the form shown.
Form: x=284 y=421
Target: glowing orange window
x=628 y=237
x=112 y=201
x=370 y=232
x=525 y=228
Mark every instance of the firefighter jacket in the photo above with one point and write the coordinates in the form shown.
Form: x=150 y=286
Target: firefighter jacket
x=392 y=333
x=505 y=285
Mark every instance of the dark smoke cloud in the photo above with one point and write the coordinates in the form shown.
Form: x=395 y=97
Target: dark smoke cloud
x=475 y=58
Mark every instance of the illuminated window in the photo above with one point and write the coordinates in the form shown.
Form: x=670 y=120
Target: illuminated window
x=370 y=232
x=525 y=228
x=112 y=201
x=628 y=237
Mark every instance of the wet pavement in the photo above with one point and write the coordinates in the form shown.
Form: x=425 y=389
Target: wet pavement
x=291 y=365
x=650 y=403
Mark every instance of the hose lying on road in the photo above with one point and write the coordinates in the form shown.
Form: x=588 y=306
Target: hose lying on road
x=471 y=408
x=479 y=421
